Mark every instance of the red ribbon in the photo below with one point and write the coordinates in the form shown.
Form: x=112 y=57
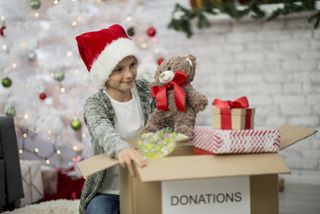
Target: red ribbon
x=2 y=30
x=225 y=107
x=67 y=187
x=241 y=102
x=160 y=92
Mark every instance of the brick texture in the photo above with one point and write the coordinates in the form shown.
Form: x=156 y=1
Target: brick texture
x=276 y=64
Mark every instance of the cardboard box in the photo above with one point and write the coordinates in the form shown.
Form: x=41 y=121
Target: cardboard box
x=143 y=194
x=234 y=118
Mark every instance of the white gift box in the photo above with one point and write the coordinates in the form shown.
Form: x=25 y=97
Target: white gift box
x=32 y=181
x=218 y=141
x=50 y=180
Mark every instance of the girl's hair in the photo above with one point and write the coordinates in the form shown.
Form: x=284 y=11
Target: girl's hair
x=106 y=83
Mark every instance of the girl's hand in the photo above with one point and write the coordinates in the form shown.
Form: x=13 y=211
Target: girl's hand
x=126 y=156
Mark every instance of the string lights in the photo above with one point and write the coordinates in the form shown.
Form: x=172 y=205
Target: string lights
x=48 y=93
x=55 y=151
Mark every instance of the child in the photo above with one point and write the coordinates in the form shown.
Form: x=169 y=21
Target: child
x=116 y=112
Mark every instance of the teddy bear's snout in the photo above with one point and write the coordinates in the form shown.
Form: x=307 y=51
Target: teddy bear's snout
x=166 y=76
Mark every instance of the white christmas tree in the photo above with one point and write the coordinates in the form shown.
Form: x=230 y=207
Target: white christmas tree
x=43 y=77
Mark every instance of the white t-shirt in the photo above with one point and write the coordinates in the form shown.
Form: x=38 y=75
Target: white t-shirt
x=128 y=115
x=128 y=120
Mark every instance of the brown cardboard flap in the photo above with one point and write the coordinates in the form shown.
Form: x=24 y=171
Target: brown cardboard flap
x=95 y=164
x=291 y=134
x=187 y=167
x=209 y=166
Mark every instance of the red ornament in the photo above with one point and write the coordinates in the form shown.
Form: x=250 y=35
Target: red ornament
x=2 y=30
x=42 y=96
x=199 y=4
x=151 y=31
x=244 y=1
x=160 y=60
x=195 y=4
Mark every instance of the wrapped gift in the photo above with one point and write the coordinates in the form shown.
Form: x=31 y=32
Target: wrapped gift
x=198 y=151
x=219 y=141
x=32 y=181
x=233 y=114
x=68 y=184
x=49 y=180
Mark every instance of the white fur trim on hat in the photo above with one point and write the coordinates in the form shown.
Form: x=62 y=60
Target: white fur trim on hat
x=109 y=58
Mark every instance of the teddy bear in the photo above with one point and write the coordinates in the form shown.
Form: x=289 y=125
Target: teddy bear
x=177 y=102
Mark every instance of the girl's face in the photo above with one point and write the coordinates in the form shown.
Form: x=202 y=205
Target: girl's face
x=123 y=75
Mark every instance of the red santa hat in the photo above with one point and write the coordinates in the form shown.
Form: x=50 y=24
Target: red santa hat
x=102 y=50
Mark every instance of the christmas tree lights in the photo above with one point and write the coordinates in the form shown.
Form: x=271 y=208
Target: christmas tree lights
x=43 y=78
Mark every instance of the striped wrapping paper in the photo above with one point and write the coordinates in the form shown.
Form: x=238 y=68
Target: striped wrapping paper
x=218 y=141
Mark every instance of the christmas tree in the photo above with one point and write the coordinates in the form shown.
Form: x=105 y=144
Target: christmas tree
x=43 y=78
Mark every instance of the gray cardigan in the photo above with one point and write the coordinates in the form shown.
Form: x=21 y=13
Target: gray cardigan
x=99 y=118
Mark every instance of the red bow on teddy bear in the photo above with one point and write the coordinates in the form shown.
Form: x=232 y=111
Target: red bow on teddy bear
x=160 y=92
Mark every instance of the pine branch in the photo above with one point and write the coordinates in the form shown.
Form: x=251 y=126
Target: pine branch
x=316 y=19
x=182 y=17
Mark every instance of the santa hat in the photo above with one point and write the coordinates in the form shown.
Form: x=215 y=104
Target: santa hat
x=102 y=50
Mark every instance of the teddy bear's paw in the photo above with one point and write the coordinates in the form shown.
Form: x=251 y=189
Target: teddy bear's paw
x=149 y=129
x=204 y=102
x=201 y=105
x=199 y=108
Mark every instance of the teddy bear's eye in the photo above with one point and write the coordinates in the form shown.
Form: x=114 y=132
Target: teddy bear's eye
x=169 y=68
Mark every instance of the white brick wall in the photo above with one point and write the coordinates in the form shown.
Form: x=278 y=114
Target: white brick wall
x=276 y=64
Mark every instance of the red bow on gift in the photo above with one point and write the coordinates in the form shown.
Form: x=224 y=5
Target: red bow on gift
x=225 y=107
x=241 y=102
x=160 y=92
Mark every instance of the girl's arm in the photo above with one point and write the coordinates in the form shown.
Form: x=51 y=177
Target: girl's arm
x=104 y=134
x=101 y=128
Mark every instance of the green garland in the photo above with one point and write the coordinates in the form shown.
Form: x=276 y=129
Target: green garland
x=182 y=17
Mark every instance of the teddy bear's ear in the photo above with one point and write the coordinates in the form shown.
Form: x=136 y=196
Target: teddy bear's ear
x=191 y=59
